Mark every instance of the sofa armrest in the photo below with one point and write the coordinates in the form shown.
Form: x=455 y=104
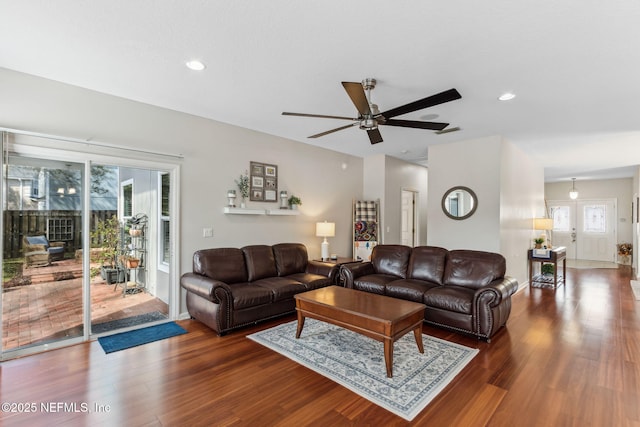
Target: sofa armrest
x=324 y=269
x=350 y=272
x=210 y=289
x=320 y=268
x=498 y=290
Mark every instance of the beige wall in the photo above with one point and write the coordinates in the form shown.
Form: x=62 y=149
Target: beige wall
x=620 y=189
x=384 y=178
x=214 y=154
x=510 y=190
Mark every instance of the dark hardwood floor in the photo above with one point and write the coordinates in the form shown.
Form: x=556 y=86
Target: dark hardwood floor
x=569 y=357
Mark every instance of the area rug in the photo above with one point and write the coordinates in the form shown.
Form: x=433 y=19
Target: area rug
x=138 y=337
x=357 y=363
x=127 y=322
x=635 y=287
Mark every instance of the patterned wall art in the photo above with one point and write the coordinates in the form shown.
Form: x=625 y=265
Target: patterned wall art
x=263 y=182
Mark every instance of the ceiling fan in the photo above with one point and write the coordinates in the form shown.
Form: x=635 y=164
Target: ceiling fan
x=369 y=117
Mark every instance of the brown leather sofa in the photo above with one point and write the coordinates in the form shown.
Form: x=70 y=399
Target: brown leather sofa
x=464 y=290
x=230 y=287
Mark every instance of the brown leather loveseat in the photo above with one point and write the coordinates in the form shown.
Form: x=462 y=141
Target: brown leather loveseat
x=230 y=287
x=464 y=290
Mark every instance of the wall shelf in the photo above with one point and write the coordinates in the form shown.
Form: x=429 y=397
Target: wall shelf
x=243 y=211
x=283 y=212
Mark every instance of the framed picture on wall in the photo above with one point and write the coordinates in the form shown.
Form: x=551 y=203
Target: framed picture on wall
x=264 y=182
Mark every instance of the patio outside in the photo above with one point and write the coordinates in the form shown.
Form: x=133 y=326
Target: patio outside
x=44 y=304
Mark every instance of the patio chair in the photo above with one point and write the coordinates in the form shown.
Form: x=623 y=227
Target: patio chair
x=38 y=251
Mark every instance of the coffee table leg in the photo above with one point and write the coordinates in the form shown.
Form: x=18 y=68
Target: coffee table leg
x=300 y=324
x=388 y=356
x=417 y=332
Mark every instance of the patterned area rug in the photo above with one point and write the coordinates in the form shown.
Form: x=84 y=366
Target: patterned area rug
x=357 y=362
x=635 y=287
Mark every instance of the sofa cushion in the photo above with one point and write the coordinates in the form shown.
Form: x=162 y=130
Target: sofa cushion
x=427 y=263
x=290 y=258
x=311 y=281
x=473 y=269
x=280 y=287
x=391 y=259
x=374 y=283
x=224 y=264
x=408 y=289
x=249 y=295
x=260 y=262
x=451 y=298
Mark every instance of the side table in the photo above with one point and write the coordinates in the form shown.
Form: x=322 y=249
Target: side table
x=340 y=261
x=554 y=256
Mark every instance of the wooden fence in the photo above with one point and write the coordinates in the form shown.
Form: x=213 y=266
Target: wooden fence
x=57 y=225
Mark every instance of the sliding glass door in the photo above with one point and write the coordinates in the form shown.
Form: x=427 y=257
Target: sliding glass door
x=85 y=246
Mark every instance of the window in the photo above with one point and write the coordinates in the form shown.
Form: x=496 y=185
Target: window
x=560 y=215
x=126 y=188
x=595 y=219
x=164 y=236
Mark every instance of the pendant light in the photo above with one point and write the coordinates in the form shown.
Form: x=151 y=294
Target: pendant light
x=573 y=194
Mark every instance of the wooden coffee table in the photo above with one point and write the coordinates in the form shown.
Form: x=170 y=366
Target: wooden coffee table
x=376 y=316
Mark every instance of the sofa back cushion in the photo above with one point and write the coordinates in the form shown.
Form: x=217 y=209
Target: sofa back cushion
x=38 y=240
x=391 y=259
x=223 y=264
x=291 y=258
x=473 y=269
x=260 y=262
x=427 y=263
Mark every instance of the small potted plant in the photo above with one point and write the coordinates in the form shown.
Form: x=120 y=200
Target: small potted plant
x=538 y=241
x=294 y=202
x=243 y=186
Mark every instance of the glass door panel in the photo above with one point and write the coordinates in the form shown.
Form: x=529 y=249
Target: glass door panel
x=42 y=297
x=127 y=287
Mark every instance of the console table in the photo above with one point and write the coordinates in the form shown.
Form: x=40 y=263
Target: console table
x=553 y=256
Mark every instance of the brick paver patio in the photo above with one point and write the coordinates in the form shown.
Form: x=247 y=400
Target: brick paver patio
x=42 y=312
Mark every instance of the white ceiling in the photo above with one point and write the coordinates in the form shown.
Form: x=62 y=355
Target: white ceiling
x=574 y=65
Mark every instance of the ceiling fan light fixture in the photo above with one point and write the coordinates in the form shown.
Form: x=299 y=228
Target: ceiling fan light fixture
x=507 y=96
x=368 y=124
x=195 y=65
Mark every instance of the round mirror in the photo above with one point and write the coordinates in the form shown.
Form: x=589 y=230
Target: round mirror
x=459 y=203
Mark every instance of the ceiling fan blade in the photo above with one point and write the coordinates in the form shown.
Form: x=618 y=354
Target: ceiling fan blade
x=416 y=124
x=322 y=116
x=429 y=101
x=332 y=130
x=374 y=136
x=358 y=97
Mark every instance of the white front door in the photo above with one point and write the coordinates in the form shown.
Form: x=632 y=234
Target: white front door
x=596 y=230
x=587 y=228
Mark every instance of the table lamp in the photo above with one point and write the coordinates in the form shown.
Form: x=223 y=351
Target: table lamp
x=325 y=229
x=544 y=224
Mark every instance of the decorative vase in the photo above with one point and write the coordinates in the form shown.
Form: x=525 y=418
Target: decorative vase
x=294 y=207
x=231 y=195
x=243 y=204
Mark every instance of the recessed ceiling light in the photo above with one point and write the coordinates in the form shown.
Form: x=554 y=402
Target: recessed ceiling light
x=507 y=96
x=195 y=65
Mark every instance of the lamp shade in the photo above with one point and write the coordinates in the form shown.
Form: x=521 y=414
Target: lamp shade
x=325 y=229
x=543 y=224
